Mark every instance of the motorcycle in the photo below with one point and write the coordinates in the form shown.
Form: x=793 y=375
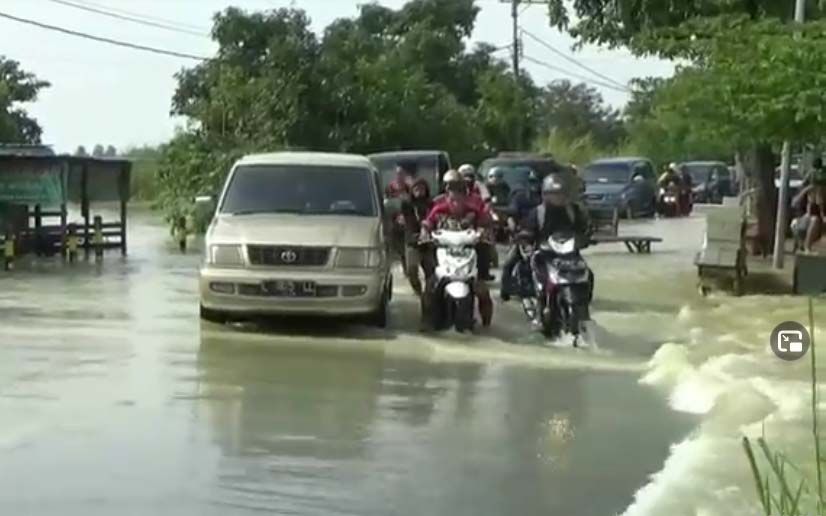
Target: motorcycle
x=522 y=277
x=453 y=295
x=564 y=290
x=670 y=201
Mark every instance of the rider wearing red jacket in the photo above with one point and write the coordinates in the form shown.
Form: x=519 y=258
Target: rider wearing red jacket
x=469 y=211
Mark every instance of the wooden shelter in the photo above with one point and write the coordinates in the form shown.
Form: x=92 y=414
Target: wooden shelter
x=36 y=189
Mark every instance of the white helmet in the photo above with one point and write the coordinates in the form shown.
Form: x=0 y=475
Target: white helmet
x=451 y=176
x=552 y=184
x=467 y=170
x=672 y=166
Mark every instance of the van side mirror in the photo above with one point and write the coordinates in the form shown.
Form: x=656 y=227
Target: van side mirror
x=638 y=178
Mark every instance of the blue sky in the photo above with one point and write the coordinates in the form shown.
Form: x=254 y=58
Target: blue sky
x=111 y=95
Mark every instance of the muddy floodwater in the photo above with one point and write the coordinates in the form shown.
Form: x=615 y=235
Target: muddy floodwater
x=116 y=399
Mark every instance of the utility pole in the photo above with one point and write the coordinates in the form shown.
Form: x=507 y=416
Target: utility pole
x=516 y=47
x=785 y=172
x=517 y=135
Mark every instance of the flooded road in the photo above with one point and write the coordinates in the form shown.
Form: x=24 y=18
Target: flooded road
x=116 y=399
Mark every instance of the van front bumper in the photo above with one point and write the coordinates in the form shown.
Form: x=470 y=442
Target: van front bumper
x=241 y=291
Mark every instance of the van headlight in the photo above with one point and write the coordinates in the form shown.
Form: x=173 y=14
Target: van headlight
x=359 y=258
x=225 y=255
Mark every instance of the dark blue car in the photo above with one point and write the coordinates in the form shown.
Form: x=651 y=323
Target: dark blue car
x=627 y=184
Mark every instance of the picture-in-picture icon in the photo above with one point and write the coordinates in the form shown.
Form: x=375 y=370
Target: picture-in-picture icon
x=790 y=341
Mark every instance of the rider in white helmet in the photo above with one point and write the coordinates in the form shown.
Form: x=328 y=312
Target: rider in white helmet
x=474 y=186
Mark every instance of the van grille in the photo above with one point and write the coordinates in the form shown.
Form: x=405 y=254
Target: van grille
x=288 y=256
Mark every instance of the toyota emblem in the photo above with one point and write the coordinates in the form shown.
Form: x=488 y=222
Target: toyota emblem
x=289 y=256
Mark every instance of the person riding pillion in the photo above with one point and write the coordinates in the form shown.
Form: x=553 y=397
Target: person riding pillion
x=469 y=211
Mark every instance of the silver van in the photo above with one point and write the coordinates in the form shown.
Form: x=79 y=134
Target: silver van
x=298 y=233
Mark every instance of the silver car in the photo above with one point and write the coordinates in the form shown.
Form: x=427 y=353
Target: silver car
x=297 y=233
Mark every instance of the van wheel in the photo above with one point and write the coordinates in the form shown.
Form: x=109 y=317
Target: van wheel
x=380 y=316
x=213 y=316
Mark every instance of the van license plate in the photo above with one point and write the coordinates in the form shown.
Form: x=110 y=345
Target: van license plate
x=282 y=288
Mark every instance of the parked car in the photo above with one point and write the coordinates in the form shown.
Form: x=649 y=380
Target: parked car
x=627 y=184
x=711 y=181
x=297 y=233
x=518 y=166
x=430 y=164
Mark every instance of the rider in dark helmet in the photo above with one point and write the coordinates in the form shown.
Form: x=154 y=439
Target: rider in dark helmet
x=522 y=202
x=556 y=214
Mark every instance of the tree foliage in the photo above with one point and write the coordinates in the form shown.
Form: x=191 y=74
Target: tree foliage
x=18 y=86
x=386 y=79
x=578 y=111
x=629 y=22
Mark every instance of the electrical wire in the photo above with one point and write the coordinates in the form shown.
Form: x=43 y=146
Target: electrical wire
x=102 y=39
x=142 y=16
x=132 y=19
x=575 y=75
x=571 y=59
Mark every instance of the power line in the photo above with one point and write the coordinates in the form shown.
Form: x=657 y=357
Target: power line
x=142 y=16
x=572 y=60
x=128 y=18
x=102 y=39
x=576 y=76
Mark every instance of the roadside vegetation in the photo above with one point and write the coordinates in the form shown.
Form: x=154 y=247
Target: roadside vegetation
x=783 y=487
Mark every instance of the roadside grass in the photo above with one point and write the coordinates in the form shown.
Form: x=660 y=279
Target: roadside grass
x=782 y=487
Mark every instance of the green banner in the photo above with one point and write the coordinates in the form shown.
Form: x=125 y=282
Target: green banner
x=32 y=186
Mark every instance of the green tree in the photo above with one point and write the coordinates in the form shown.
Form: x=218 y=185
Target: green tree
x=385 y=79
x=735 y=49
x=578 y=110
x=18 y=86
x=81 y=151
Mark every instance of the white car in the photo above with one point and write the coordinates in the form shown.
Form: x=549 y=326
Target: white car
x=297 y=233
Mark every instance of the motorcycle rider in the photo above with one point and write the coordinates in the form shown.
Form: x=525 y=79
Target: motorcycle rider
x=522 y=202
x=469 y=211
x=669 y=177
x=477 y=189
x=556 y=214
x=414 y=211
x=500 y=191
x=474 y=186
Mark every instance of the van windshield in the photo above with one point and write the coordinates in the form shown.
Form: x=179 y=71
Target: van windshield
x=607 y=173
x=311 y=190
x=426 y=167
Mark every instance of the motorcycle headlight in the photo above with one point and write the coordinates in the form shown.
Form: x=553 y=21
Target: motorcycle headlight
x=226 y=255
x=358 y=258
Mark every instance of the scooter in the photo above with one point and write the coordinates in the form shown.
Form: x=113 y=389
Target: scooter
x=564 y=290
x=453 y=297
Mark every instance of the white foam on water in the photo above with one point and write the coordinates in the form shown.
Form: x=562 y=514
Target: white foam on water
x=726 y=373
